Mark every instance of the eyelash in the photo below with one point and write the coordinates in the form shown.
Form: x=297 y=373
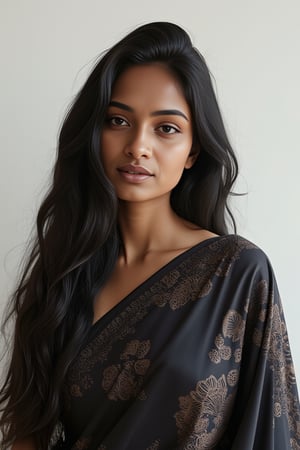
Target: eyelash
x=110 y=120
x=174 y=129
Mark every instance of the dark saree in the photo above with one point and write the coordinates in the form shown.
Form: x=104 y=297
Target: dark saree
x=197 y=357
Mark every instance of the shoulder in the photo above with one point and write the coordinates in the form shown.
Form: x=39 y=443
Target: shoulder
x=243 y=269
x=235 y=246
x=237 y=252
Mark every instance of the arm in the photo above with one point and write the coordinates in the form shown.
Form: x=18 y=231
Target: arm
x=267 y=410
x=27 y=444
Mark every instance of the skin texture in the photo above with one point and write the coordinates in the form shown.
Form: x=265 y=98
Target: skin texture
x=144 y=135
x=138 y=131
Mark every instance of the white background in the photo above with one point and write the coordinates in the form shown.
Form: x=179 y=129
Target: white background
x=253 y=51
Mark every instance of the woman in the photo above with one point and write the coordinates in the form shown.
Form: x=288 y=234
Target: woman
x=140 y=322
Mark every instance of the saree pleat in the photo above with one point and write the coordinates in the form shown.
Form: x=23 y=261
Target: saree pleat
x=196 y=357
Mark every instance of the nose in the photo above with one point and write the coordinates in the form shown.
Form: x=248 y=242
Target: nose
x=138 y=146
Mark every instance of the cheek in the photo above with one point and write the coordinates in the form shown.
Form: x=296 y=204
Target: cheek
x=106 y=151
x=175 y=158
x=172 y=167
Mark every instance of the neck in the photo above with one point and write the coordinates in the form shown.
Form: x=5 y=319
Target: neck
x=146 y=227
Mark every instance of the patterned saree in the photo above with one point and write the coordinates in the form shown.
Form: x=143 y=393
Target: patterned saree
x=196 y=357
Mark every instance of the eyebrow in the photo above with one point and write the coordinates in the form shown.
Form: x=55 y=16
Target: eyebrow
x=162 y=112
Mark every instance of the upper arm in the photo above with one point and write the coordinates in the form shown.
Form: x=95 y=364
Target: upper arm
x=26 y=444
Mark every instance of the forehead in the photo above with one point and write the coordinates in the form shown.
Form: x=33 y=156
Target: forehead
x=153 y=85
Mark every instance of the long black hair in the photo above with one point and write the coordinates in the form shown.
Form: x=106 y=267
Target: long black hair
x=77 y=241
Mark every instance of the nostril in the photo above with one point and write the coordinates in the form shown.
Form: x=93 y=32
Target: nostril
x=138 y=152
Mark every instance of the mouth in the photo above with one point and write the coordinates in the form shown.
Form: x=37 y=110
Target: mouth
x=135 y=170
x=134 y=174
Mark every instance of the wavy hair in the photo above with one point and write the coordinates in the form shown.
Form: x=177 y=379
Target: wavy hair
x=77 y=240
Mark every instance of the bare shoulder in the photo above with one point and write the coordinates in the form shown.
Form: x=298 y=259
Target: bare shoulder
x=194 y=235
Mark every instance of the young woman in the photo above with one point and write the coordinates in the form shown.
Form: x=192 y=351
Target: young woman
x=140 y=323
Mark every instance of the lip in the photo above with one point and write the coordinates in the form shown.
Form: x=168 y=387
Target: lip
x=132 y=169
x=134 y=174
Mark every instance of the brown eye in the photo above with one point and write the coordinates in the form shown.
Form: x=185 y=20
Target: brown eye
x=117 y=121
x=168 y=129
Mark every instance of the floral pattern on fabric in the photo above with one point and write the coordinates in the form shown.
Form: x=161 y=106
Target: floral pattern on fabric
x=275 y=344
x=195 y=358
x=204 y=412
x=154 y=445
x=123 y=381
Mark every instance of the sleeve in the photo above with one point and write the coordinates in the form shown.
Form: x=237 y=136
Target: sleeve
x=266 y=413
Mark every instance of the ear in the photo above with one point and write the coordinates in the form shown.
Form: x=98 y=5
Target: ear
x=191 y=159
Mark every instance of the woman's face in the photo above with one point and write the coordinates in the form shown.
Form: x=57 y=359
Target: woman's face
x=147 y=137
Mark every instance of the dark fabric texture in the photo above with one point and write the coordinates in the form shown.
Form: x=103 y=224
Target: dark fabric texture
x=196 y=357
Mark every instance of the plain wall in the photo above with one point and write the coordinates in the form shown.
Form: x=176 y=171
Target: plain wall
x=252 y=49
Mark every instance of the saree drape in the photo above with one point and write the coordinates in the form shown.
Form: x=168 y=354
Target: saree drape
x=196 y=357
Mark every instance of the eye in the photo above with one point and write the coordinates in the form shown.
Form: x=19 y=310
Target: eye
x=117 y=121
x=168 y=129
